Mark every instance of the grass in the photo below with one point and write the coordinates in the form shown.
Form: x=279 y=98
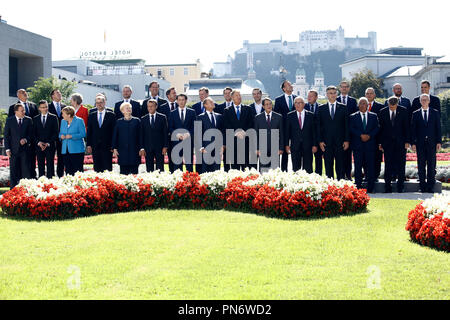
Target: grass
x=189 y=254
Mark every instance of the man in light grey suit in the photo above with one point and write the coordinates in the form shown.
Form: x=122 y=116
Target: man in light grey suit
x=270 y=137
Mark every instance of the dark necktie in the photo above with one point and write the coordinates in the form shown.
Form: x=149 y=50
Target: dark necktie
x=332 y=111
x=172 y=106
x=238 y=113
x=212 y=120
x=27 y=110
x=20 y=123
x=268 y=121
x=43 y=121
x=364 y=121
x=393 y=118
x=152 y=122
x=425 y=118
x=312 y=107
x=290 y=103
x=182 y=116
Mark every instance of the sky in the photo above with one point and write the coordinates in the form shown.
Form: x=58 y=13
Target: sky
x=183 y=31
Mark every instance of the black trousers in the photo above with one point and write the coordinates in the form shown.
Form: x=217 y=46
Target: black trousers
x=318 y=156
x=394 y=165
x=426 y=162
x=334 y=153
x=226 y=166
x=234 y=161
x=102 y=159
x=169 y=157
x=365 y=158
x=73 y=162
x=129 y=169
x=19 y=167
x=188 y=161
x=152 y=158
x=46 y=159
x=348 y=164
x=284 y=161
x=302 y=159
x=60 y=161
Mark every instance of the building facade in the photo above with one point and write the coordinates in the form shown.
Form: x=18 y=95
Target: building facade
x=24 y=57
x=178 y=75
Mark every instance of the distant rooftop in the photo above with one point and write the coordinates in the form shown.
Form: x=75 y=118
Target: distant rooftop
x=406 y=51
x=405 y=71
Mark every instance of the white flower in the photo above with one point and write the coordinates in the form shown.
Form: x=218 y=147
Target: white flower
x=439 y=203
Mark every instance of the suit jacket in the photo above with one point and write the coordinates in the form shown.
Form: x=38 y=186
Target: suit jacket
x=100 y=138
x=188 y=125
x=308 y=107
x=399 y=133
x=420 y=132
x=78 y=132
x=161 y=102
x=357 y=129
x=220 y=108
x=252 y=106
x=333 y=131
x=376 y=107
x=281 y=105
x=32 y=110
x=135 y=107
x=154 y=138
x=198 y=108
x=276 y=122
x=402 y=101
x=306 y=137
x=352 y=104
x=231 y=121
x=435 y=103
x=94 y=109
x=13 y=134
x=47 y=134
x=52 y=109
x=207 y=124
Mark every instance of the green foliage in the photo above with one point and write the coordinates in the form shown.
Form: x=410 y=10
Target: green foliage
x=44 y=86
x=363 y=80
x=445 y=112
x=3 y=116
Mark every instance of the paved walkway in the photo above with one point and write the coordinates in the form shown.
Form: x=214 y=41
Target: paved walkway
x=402 y=196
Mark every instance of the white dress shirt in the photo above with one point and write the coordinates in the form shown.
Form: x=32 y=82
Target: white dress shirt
x=329 y=106
x=428 y=114
x=286 y=96
x=259 y=107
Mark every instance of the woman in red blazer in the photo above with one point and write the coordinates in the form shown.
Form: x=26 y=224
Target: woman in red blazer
x=80 y=111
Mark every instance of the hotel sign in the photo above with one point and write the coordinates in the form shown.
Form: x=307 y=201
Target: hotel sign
x=106 y=54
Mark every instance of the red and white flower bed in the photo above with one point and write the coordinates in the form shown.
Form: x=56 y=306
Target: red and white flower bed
x=429 y=222
x=276 y=193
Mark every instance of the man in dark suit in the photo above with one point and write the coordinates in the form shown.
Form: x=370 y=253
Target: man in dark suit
x=171 y=95
x=212 y=148
x=239 y=119
x=283 y=105
x=257 y=105
x=30 y=111
x=135 y=106
x=300 y=136
x=55 y=107
x=352 y=107
x=181 y=128
x=435 y=102
x=333 y=133
x=99 y=136
x=426 y=139
x=18 y=134
x=375 y=107
x=154 y=137
x=397 y=89
x=363 y=131
x=46 y=130
x=313 y=106
x=154 y=94
x=220 y=109
x=198 y=107
x=267 y=123
x=94 y=109
x=393 y=141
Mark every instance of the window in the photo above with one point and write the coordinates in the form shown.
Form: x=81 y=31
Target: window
x=172 y=71
x=186 y=71
x=448 y=79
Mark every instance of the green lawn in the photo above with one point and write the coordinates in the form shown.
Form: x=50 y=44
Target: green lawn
x=190 y=254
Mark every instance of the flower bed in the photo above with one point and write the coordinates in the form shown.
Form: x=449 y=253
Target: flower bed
x=439 y=157
x=429 y=222
x=276 y=193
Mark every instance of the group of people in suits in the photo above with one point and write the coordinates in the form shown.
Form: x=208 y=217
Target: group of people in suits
x=337 y=131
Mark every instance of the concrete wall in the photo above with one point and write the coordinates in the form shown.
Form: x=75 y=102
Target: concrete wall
x=34 y=54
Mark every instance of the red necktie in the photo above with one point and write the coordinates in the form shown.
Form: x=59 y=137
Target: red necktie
x=370 y=106
x=300 y=121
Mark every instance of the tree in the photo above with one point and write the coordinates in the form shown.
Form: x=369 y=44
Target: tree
x=445 y=113
x=44 y=86
x=363 y=80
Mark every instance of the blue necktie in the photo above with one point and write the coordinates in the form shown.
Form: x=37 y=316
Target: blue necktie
x=213 y=121
x=344 y=100
x=238 y=113
x=332 y=111
x=100 y=120
x=153 y=120
x=58 y=109
x=27 y=111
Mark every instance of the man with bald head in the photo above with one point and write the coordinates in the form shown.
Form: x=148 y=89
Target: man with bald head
x=426 y=139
